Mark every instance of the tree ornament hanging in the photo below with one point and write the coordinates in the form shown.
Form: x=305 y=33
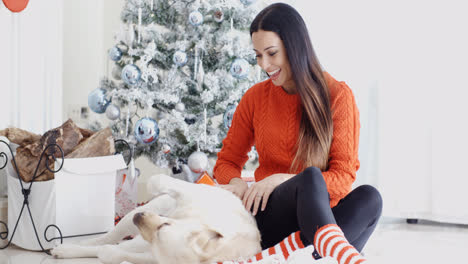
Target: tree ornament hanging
x=98 y=101
x=240 y=68
x=195 y=18
x=180 y=107
x=198 y=162
x=166 y=149
x=113 y=112
x=146 y=130
x=200 y=75
x=218 y=15
x=131 y=74
x=180 y=58
x=190 y=119
x=115 y=53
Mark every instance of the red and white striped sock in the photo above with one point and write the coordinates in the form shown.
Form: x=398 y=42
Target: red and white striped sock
x=281 y=251
x=330 y=241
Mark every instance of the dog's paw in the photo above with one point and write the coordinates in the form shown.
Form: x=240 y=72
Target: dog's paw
x=110 y=255
x=66 y=251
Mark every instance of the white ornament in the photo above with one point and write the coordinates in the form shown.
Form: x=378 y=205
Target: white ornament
x=180 y=107
x=195 y=18
x=166 y=149
x=200 y=76
x=140 y=11
x=198 y=162
x=130 y=35
x=113 y=112
x=240 y=68
x=180 y=58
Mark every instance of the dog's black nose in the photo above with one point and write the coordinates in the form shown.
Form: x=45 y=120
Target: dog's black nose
x=137 y=218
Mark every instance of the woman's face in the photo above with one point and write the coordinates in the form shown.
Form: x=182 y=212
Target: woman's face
x=272 y=58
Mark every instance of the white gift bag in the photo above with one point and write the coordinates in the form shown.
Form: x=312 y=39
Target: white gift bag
x=86 y=194
x=79 y=201
x=126 y=190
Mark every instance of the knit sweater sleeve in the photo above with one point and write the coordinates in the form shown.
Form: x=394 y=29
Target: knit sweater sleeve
x=238 y=142
x=343 y=157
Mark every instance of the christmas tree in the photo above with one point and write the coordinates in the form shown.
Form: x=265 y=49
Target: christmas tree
x=180 y=68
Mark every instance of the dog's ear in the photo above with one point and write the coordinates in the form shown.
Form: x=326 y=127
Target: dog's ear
x=205 y=243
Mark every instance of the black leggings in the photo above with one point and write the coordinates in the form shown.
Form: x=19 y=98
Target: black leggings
x=303 y=203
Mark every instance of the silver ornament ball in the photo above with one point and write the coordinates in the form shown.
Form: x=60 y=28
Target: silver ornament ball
x=180 y=58
x=115 y=53
x=198 y=162
x=98 y=101
x=166 y=149
x=113 y=112
x=240 y=68
x=195 y=18
x=131 y=74
x=146 y=130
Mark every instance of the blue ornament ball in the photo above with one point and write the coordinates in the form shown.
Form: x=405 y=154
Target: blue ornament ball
x=240 y=68
x=97 y=100
x=180 y=58
x=146 y=130
x=195 y=18
x=131 y=74
x=228 y=115
x=248 y=2
x=115 y=53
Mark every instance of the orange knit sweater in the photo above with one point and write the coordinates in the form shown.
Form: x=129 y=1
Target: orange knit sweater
x=269 y=117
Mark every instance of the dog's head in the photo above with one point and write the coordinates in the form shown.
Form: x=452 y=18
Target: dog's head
x=177 y=240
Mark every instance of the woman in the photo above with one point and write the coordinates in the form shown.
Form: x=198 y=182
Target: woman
x=305 y=126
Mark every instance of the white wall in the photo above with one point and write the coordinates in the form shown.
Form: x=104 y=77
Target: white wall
x=31 y=66
x=346 y=36
x=89 y=29
x=406 y=62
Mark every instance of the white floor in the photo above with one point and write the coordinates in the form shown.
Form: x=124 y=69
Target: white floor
x=394 y=241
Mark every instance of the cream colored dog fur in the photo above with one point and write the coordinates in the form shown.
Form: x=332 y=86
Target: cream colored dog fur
x=183 y=223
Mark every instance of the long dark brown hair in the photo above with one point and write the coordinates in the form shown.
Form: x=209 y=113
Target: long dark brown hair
x=316 y=127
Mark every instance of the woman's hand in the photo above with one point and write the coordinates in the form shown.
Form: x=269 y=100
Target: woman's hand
x=237 y=186
x=260 y=191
